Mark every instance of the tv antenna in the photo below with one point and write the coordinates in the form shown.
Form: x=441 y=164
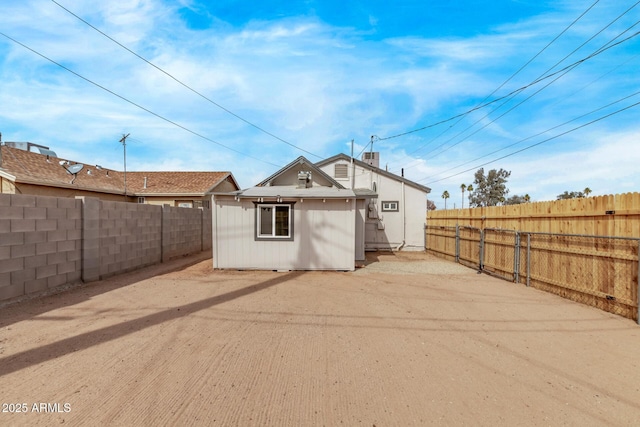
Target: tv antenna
x=123 y=140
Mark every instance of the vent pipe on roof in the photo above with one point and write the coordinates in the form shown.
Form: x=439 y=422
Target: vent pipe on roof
x=145 y=182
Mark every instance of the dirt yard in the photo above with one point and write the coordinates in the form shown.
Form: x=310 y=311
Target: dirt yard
x=406 y=340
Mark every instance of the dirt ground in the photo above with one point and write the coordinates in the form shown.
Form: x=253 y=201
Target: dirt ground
x=407 y=340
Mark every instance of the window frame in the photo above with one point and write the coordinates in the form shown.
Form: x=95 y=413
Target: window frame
x=273 y=237
x=388 y=208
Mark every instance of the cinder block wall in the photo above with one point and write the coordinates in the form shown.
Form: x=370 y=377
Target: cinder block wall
x=181 y=232
x=47 y=242
x=40 y=243
x=130 y=236
x=207 y=237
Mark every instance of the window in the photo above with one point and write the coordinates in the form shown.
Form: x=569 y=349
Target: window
x=184 y=203
x=390 y=206
x=274 y=221
x=141 y=200
x=341 y=171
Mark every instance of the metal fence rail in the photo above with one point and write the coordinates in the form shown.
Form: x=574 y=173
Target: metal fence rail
x=442 y=240
x=601 y=271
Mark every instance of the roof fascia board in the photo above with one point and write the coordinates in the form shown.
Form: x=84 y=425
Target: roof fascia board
x=297 y=161
x=360 y=163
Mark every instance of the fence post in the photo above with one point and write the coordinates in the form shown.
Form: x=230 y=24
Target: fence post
x=516 y=258
x=638 y=292
x=481 y=261
x=457 y=243
x=528 y=259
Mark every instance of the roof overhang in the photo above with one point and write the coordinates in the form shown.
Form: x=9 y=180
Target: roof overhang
x=294 y=192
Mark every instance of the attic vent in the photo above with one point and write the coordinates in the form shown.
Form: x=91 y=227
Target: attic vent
x=304 y=179
x=341 y=171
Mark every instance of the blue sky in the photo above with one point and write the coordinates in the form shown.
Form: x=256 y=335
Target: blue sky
x=305 y=78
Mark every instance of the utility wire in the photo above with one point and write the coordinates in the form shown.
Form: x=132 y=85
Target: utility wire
x=521 y=102
x=520 y=89
x=510 y=109
x=540 y=133
x=509 y=79
x=133 y=103
x=187 y=86
x=538 y=143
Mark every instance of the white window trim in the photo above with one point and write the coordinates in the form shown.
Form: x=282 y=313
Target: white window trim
x=390 y=206
x=259 y=236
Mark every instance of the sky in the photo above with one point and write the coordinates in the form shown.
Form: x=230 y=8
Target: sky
x=543 y=89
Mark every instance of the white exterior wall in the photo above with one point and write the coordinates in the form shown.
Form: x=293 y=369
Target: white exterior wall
x=406 y=225
x=324 y=237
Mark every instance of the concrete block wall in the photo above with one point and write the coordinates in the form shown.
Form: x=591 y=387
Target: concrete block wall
x=130 y=237
x=47 y=241
x=207 y=225
x=181 y=231
x=40 y=243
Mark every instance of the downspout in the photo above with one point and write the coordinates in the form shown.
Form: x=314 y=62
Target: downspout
x=214 y=243
x=404 y=220
x=353 y=168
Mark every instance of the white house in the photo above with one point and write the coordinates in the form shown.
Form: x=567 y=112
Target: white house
x=396 y=207
x=315 y=217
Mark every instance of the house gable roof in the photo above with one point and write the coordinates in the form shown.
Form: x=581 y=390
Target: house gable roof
x=38 y=169
x=301 y=163
x=344 y=157
x=283 y=183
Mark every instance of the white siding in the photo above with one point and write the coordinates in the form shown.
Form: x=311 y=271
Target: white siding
x=324 y=237
x=405 y=225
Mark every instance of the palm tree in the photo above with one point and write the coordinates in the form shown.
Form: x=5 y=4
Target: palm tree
x=445 y=196
x=527 y=198
x=587 y=191
x=469 y=190
x=463 y=187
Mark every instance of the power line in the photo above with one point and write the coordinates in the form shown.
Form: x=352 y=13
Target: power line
x=135 y=104
x=509 y=79
x=185 y=85
x=536 y=81
x=540 y=133
x=538 y=143
x=519 y=104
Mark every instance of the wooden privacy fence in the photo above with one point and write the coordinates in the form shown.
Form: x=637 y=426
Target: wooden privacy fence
x=601 y=271
x=584 y=249
x=612 y=215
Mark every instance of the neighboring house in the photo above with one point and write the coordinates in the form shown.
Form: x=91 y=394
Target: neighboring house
x=396 y=208
x=308 y=217
x=25 y=172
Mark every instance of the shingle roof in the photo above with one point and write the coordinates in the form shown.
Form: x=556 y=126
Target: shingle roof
x=33 y=168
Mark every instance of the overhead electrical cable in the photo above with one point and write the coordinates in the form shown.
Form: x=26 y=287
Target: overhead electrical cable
x=537 y=143
x=135 y=104
x=510 y=77
x=521 y=102
x=538 y=134
x=536 y=81
x=187 y=86
x=512 y=108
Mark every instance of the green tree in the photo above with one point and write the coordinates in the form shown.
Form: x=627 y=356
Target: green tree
x=516 y=200
x=490 y=189
x=587 y=191
x=469 y=190
x=570 y=195
x=463 y=187
x=445 y=196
